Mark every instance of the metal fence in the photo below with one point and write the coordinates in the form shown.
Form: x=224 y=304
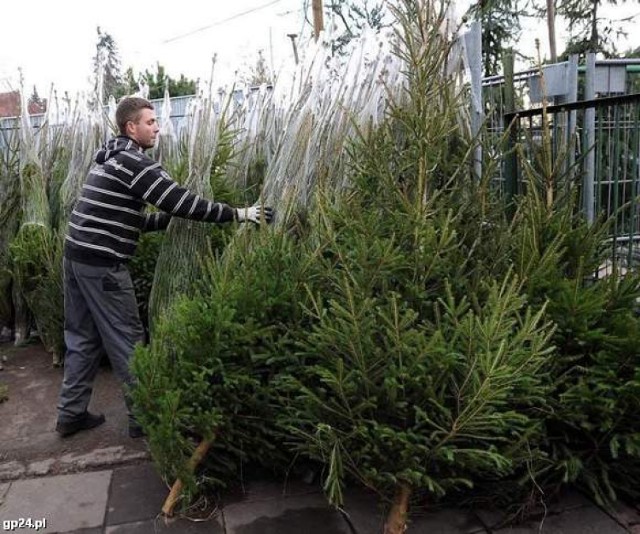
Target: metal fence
x=594 y=144
x=560 y=83
x=592 y=126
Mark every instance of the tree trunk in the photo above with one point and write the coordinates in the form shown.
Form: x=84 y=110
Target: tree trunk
x=594 y=39
x=397 y=518
x=176 y=489
x=21 y=316
x=318 y=17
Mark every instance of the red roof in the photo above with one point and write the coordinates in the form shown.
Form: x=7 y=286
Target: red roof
x=10 y=105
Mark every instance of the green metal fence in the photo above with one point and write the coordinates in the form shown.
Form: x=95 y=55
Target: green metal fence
x=596 y=144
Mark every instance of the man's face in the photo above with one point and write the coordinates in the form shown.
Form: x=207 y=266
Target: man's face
x=145 y=129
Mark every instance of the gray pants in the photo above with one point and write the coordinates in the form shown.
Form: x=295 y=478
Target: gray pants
x=100 y=315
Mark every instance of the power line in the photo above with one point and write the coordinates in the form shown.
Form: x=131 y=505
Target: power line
x=285 y=13
x=218 y=23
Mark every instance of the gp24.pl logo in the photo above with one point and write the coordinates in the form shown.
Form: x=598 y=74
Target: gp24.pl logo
x=10 y=525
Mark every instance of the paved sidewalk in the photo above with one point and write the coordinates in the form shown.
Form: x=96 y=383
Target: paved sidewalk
x=102 y=481
x=128 y=499
x=29 y=445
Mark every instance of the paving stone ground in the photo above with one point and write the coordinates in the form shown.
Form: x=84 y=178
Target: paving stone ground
x=63 y=503
x=128 y=499
x=102 y=482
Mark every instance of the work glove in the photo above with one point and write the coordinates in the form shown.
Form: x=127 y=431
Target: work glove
x=254 y=214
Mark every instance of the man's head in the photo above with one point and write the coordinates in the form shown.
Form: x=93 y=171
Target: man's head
x=136 y=119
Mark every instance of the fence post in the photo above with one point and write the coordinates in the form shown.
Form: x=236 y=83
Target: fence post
x=511 y=158
x=473 y=45
x=588 y=196
x=572 y=96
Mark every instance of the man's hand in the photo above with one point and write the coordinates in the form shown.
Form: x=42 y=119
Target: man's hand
x=254 y=214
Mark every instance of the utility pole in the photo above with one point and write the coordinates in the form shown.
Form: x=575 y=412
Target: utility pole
x=293 y=36
x=318 y=21
x=551 y=24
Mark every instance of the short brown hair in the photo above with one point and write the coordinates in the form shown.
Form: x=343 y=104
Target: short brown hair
x=129 y=110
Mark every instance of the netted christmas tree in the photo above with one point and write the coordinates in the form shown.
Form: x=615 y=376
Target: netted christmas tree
x=9 y=220
x=34 y=260
x=188 y=243
x=263 y=265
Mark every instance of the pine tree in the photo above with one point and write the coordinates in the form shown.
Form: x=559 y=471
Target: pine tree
x=589 y=31
x=406 y=384
x=157 y=82
x=423 y=367
x=35 y=103
x=501 y=27
x=352 y=18
x=106 y=67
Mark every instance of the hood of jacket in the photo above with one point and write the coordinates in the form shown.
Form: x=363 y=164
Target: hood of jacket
x=114 y=146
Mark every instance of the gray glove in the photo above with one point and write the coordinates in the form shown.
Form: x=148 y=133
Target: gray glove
x=254 y=214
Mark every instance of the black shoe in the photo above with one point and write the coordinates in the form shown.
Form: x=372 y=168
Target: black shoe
x=86 y=422
x=135 y=431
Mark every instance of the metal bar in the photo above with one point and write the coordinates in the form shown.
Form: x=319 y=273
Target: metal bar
x=623 y=61
x=633 y=146
x=518 y=76
x=599 y=154
x=616 y=180
x=511 y=160
x=473 y=40
x=572 y=96
x=623 y=134
x=589 y=141
x=584 y=104
x=623 y=238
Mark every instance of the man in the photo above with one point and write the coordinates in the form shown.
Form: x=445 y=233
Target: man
x=101 y=313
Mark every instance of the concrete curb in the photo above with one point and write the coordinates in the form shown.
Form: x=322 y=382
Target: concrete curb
x=103 y=458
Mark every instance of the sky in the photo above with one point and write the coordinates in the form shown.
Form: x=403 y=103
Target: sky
x=53 y=41
x=182 y=35
x=537 y=29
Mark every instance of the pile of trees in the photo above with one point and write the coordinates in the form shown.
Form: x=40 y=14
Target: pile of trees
x=402 y=329
x=399 y=327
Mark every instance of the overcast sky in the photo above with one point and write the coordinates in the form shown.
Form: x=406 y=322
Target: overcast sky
x=54 y=40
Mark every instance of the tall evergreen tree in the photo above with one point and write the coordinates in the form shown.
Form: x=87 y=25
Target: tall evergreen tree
x=157 y=82
x=258 y=73
x=501 y=28
x=590 y=31
x=352 y=18
x=36 y=103
x=106 y=66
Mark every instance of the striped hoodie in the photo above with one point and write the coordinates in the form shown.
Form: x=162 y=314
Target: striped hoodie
x=109 y=217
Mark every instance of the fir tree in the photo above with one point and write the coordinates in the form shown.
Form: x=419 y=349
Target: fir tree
x=423 y=368
x=106 y=67
x=352 y=18
x=591 y=432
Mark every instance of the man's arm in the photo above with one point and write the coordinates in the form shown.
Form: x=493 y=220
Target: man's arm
x=156 y=221
x=153 y=185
